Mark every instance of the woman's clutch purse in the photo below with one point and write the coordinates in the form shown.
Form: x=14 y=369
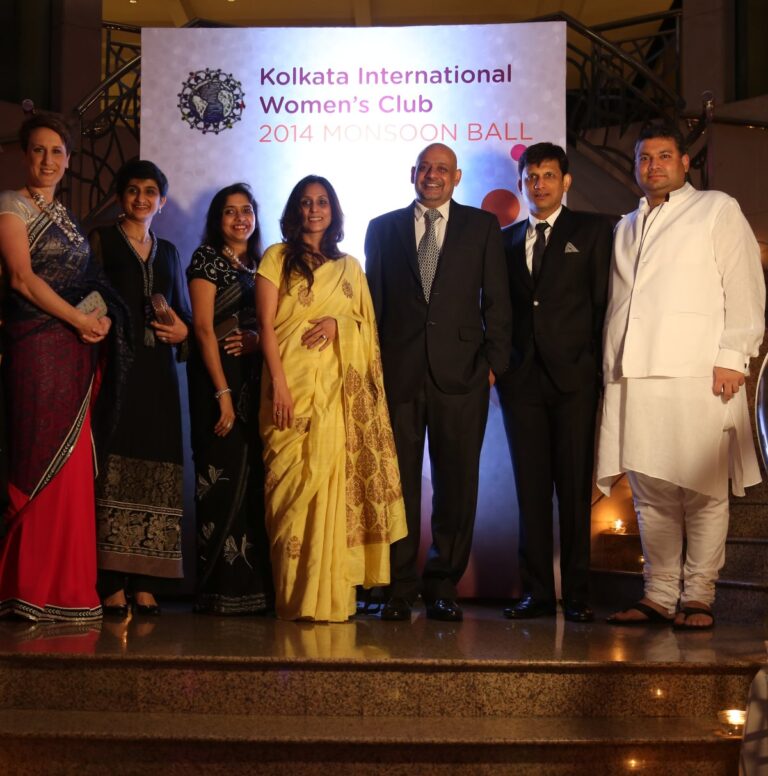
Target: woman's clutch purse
x=226 y=327
x=93 y=302
x=161 y=309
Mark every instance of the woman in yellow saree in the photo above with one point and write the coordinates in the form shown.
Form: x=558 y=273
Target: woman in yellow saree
x=333 y=497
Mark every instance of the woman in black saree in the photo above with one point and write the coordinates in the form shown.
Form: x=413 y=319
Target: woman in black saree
x=139 y=498
x=233 y=573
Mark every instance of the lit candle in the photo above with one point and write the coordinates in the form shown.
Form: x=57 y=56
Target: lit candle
x=619 y=527
x=732 y=721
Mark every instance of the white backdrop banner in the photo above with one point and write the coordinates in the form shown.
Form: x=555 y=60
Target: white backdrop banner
x=269 y=106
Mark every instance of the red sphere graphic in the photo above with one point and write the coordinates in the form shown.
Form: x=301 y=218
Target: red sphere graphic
x=517 y=151
x=504 y=204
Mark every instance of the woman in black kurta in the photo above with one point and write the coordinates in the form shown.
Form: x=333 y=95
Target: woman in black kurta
x=233 y=571
x=139 y=491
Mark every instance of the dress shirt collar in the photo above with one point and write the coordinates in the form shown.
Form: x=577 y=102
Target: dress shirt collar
x=550 y=219
x=674 y=197
x=419 y=210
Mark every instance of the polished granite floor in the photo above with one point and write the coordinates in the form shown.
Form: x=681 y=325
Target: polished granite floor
x=484 y=638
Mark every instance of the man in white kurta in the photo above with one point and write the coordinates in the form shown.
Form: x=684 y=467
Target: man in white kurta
x=685 y=314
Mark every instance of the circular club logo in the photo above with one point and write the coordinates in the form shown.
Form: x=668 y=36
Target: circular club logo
x=211 y=101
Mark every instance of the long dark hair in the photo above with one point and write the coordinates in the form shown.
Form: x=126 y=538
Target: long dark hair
x=300 y=257
x=213 y=235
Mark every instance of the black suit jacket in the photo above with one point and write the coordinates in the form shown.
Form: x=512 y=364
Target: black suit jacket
x=465 y=327
x=560 y=318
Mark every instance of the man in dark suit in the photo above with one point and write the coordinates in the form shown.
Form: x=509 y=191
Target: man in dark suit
x=438 y=281
x=557 y=262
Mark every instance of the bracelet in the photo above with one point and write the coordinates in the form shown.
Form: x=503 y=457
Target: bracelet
x=220 y=393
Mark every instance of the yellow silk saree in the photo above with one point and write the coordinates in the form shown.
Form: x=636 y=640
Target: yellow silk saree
x=332 y=489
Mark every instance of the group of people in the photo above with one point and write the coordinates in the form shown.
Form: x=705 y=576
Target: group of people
x=297 y=487
x=313 y=387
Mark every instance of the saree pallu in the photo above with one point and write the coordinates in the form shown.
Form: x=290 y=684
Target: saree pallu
x=333 y=497
x=48 y=554
x=233 y=575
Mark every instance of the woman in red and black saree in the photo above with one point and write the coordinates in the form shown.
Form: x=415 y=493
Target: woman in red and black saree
x=48 y=547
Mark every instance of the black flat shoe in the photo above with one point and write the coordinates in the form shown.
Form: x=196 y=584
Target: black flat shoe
x=445 y=610
x=396 y=609
x=529 y=608
x=115 y=610
x=146 y=610
x=577 y=611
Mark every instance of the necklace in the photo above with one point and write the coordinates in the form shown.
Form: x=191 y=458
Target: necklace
x=58 y=214
x=235 y=262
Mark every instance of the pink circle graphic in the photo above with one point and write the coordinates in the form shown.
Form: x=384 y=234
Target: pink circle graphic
x=503 y=204
x=517 y=151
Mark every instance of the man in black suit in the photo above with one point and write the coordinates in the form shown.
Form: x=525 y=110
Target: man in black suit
x=557 y=262
x=438 y=280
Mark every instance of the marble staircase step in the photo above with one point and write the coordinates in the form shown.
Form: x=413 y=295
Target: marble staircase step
x=186 y=694
x=608 y=685
x=746 y=560
x=174 y=743
x=748 y=519
x=746 y=557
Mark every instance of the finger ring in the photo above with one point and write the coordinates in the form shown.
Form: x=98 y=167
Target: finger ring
x=279 y=412
x=323 y=336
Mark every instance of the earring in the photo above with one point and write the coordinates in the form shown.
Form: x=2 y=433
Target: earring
x=159 y=210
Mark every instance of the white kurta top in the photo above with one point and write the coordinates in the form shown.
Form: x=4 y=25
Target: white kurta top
x=686 y=294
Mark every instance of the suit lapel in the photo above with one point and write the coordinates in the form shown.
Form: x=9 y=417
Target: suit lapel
x=517 y=263
x=405 y=230
x=457 y=219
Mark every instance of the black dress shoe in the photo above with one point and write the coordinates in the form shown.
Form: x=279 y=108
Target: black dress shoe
x=115 y=610
x=530 y=607
x=396 y=609
x=577 y=611
x=146 y=610
x=445 y=609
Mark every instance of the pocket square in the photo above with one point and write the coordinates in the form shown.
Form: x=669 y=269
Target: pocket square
x=571 y=248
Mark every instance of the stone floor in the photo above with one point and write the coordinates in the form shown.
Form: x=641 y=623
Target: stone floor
x=485 y=637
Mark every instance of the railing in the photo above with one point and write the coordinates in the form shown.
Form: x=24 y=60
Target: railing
x=122 y=44
x=617 y=83
x=108 y=120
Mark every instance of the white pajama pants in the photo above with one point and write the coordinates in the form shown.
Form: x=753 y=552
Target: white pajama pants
x=666 y=514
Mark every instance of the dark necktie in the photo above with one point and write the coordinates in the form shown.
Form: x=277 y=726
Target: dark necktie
x=538 y=249
x=429 y=252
